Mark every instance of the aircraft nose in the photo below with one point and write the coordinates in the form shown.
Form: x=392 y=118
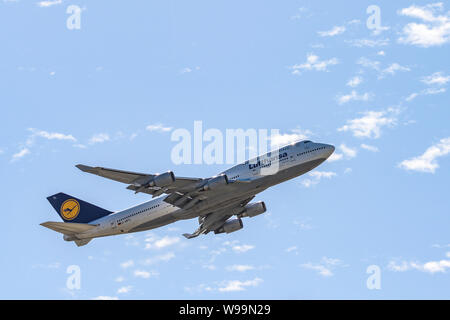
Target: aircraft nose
x=332 y=148
x=329 y=149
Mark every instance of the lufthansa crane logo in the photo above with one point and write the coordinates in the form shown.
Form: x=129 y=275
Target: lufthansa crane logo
x=70 y=209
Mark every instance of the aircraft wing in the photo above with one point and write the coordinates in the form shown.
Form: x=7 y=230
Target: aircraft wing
x=182 y=192
x=145 y=182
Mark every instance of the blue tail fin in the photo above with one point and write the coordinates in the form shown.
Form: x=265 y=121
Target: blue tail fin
x=71 y=209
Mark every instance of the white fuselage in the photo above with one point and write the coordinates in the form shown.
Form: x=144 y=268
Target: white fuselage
x=268 y=167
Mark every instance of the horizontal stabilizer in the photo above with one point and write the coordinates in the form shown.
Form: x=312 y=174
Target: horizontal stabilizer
x=68 y=228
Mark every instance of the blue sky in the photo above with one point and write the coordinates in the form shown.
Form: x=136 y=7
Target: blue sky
x=111 y=92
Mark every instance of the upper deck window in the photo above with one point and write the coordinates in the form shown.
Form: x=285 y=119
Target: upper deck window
x=302 y=142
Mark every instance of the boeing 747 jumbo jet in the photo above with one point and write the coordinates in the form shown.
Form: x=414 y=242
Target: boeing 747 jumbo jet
x=219 y=202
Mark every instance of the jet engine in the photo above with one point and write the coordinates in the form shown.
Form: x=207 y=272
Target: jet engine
x=230 y=226
x=162 y=180
x=69 y=238
x=215 y=182
x=253 y=209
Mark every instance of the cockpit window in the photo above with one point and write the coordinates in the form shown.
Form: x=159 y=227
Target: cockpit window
x=306 y=141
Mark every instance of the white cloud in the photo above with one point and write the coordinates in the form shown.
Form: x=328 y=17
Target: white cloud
x=123 y=290
x=22 y=153
x=239 y=268
x=348 y=152
x=99 y=138
x=189 y=70
x=160 y=258
x=325 y=267
x=412 y=96
x=436 y=78
x=367 y=63
x=370 y=124
x=47 y=135
x=354 y=21
x=236 y=285
x=379 y=30
x=400 y=266
x=427 y=161
x=355 y=81
x=127 y=264
x=425 y=92
x=369 y=148
x=333 y=32
x=432 y=267
x=133 y=136
x=303 y=224
x=322 y=174
x=105 y=298
x=314 y=63
x=119 y=279
x=162 y=243
x=242 y=248
x=381 y=53
x=278 y=140
x=431 y=91
x=316 y=176
x=368 y=42
x=321 y=269
x=292 y=249
x=158 y=127
x=145 y=274
x=436 y=266
x=301 y=13
x=353 y=96
x=49 y=3
x=53 y=135
x=199 y=288
x=434 y=29
x=392 y=69
x=209 y=267
x=335 y=157
x=225 y=286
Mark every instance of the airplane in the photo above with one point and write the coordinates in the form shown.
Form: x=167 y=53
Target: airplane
x=219 y=202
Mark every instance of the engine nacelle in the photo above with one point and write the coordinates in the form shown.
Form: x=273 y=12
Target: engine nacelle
x=215 y=182
x=230 y=226
x=163 y=179
x=254 y=209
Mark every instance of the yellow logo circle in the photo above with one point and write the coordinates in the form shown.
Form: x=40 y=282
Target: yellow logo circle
x=70 y=209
